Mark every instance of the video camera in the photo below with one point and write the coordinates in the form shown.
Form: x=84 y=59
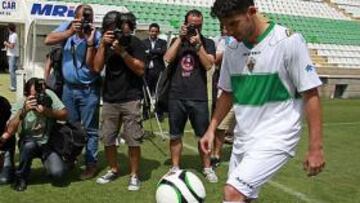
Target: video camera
x=41 y=97
x=87 y=20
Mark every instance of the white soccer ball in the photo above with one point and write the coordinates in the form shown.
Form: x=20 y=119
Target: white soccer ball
x=181 y=186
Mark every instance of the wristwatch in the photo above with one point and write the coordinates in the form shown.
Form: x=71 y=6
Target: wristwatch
x=198 y=46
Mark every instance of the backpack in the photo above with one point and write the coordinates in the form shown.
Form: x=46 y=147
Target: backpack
x=68 y=140
x=56 y=79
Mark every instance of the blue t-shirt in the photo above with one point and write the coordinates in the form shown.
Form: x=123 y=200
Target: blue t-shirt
x=81 y=74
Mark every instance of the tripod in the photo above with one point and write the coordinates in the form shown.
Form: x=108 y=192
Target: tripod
x=149 y=101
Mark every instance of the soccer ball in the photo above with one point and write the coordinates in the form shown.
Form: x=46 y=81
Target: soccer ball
x=180 y=186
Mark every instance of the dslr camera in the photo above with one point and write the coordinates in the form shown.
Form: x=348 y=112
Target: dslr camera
x=87 y=20
x=124 y=39
x=191 y=30
x=41 y=97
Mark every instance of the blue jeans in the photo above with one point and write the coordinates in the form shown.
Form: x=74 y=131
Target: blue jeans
x=29 y=149
x=12 y=61
x=82 y=104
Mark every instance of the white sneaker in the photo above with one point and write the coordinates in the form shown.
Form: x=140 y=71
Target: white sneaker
x=134 y=183
x=210 y=175
x=107 y=178
x=172 y=170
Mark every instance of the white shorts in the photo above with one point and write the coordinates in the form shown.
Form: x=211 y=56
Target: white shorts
x=250 y=170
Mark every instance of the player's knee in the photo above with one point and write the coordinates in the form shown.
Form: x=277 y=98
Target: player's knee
x=233 y=195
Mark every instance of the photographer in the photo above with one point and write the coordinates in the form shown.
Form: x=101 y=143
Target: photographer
x=35 y=117
x=124 y=55
x=81 y=91
x=189 y=57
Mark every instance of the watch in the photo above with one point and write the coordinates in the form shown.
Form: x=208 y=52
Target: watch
x=198 y=46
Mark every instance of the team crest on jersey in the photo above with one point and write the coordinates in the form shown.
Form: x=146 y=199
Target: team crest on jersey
x=251 y=63
x=288 y=32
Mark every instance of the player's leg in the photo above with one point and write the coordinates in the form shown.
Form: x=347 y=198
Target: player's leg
x=255 y=168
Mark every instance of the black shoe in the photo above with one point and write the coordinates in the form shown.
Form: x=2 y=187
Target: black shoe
x=215 y=162
x=20 y=185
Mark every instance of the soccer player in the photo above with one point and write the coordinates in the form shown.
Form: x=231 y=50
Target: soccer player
x=269 y=78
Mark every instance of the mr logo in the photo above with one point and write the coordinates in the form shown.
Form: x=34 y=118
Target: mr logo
x=310 y=68
x=52 y=10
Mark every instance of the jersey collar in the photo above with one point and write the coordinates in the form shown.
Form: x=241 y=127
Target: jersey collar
x=260 y=37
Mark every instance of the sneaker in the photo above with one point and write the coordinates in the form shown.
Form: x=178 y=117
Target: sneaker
x=89 y=172
x=12 y=89
x=107 y=178
x=172 y=170
x=215 y=162
x=20 y=184
x=134 y=183
x=210 y=175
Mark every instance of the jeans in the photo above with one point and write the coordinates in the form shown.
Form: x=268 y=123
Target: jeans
x=29 y=150
x=7 y=172
x=12 y=61
x=83 y=105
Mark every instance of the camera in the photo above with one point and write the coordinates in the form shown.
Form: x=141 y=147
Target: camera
x=124 y=39
x=191 y=30
x=41 y=97
x=87 y=19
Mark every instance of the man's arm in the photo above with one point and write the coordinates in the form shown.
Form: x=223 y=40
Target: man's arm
x=314 y=161
x=207 y=60
x=218 y=58
x=9 y=45
x=59 y=37
x=136 y=65
x=171 y=53
x=91 y=47
x=223 y=106
x=47 y=69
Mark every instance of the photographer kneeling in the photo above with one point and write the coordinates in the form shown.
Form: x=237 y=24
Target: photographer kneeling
x=34 y=117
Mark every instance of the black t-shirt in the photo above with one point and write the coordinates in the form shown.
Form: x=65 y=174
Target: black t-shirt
x=121 y=83
x=188 y=80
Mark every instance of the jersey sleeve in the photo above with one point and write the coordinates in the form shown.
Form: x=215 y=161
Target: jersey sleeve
x=300 y=67
x=225 y=77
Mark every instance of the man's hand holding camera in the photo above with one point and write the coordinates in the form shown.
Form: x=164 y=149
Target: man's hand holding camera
x=31 y=104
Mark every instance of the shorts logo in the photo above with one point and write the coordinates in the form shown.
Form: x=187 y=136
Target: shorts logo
x=245 y=183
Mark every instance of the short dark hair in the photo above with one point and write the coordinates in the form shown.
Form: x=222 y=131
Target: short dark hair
x=193 y=12
x=79 y=7
x=12 y=27
x=110 y=19
x=116 y=18
x=130 y=19
x=29 y=84
x=155 y=25
x=223 y=9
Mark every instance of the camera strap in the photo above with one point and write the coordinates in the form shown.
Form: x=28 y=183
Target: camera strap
x=73 y=53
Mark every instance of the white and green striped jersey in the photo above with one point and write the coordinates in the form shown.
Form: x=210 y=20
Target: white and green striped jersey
x=266 y=81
